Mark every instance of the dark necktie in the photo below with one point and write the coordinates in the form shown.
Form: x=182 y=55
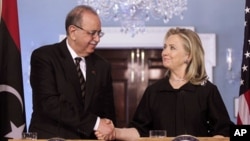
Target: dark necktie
x=81 y=77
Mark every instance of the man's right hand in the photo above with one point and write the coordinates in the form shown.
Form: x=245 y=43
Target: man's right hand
x=107 y=129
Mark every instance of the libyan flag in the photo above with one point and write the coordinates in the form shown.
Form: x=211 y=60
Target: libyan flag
x=12 y=110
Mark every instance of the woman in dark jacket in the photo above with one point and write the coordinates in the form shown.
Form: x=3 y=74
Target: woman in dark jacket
x=185 y=101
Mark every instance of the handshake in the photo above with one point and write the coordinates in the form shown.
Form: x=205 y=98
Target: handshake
x=106 y=130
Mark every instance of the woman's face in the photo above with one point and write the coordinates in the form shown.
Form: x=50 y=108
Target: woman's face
x=174 y=55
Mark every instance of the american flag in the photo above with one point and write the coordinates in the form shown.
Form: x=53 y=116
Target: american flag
x=243 y=117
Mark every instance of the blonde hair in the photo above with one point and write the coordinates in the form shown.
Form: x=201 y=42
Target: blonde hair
x=195 y=71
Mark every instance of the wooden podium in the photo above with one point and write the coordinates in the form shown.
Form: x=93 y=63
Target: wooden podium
x=143 y=139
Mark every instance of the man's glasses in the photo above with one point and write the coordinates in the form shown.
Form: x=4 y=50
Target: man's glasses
x=92 y=33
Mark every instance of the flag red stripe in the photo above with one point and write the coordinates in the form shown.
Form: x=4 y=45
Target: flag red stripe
x=239 y=122
x=244 y=112
x=10 y=17
x=247 y=97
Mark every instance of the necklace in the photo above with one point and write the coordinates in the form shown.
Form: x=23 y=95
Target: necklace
x=177 y=80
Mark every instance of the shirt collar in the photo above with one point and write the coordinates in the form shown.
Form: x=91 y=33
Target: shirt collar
x=72 y=52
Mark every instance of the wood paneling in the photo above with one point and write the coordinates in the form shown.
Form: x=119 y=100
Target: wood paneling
x=132 y=71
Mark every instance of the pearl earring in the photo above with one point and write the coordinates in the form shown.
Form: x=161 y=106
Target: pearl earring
x=186 y=61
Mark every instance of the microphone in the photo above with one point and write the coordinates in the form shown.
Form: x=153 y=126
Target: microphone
x=185 y=138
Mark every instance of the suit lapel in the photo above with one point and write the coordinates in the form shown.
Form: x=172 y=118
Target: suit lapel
x=90 y=81
x=71 y=74
x=68 y=65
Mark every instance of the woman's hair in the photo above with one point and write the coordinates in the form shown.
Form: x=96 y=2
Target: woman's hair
x=195 y=71
x=74 y=17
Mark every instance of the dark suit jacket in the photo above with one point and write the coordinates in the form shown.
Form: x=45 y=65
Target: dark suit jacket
x=58 y=109
x=197 y=110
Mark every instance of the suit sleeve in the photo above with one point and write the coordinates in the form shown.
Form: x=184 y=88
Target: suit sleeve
x=219 y=119
x=108 y=99
x=142 y=117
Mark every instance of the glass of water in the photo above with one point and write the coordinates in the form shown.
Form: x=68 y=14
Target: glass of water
x=29 y=135
x=157 y=133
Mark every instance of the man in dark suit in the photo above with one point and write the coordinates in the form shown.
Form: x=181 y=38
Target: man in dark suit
x=59 y=108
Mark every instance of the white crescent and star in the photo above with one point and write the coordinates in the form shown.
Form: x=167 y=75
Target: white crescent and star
x=16 y=132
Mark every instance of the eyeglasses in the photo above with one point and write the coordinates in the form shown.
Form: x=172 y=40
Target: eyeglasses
x=92 y=33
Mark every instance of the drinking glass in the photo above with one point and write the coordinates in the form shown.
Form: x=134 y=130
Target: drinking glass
x=29 y=135
x=157 y=133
